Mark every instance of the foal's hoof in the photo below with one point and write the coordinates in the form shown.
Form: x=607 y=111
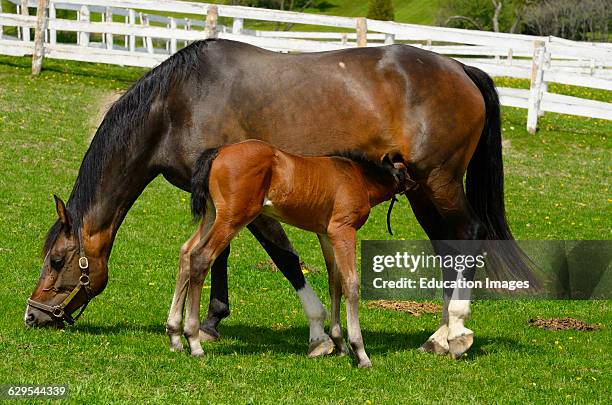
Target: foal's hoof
x=209 y=336
x=197 y=353
x=176 y=348
x=436 y=346
x=322 y=347
x=342 y=349
x=460 y=343
x=365 y=364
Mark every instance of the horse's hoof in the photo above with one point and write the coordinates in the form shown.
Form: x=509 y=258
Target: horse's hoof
x=322 y=347
x=461 y=343
x=436 y=346
x=197 y=353
x=207 y=336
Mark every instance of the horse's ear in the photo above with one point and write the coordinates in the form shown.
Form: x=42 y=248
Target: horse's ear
x=62 y=213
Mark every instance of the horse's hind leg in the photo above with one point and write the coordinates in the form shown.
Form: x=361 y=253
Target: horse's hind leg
x=343 y=242
x=433 y=224
x=459 y=223
x=175 y=316
x=335 y=294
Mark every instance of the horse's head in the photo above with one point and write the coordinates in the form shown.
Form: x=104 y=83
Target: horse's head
x=68 y=279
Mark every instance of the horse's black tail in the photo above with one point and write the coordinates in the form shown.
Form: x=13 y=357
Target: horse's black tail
x=199 y=182
x=485 y=186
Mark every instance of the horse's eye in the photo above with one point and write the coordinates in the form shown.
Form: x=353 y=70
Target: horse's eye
x=57 y=263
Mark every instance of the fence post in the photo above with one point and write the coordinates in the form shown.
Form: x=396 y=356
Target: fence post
x=52 y=16
x=389 y=39
x=545 y=67
x=148 y=41
x=39 y=37
x=362 y=31
x=108 y=16
x=132 y=22
x=210 y=31
x=83 y=35
x=535 y=91
x=25 y=34
x=172 y=40
x=188 y=28
x=344 y=39
x=237 y=26
x=510 y=55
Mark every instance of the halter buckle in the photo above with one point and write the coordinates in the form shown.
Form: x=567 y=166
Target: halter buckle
x=83 y=263
x=84 y=280
x=58 y=312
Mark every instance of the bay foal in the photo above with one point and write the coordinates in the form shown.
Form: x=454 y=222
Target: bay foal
x=331 y=196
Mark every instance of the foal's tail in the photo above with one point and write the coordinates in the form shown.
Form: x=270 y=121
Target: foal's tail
x=199 y=182
x=485 y=185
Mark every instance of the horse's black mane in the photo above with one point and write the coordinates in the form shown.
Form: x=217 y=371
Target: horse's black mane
x=373 y=166
x=123 y=122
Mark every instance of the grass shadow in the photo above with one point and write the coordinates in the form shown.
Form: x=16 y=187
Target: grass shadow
x=118 y=328
x=254 y=339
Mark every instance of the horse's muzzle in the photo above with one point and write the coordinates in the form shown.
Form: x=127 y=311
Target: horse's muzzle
x=34 y=318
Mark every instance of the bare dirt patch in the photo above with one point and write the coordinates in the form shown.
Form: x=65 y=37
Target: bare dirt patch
x=563 y=324
x=412 y=307
x=106 y=101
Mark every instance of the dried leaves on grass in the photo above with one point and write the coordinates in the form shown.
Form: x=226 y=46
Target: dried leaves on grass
x=412 y=307
x=563 y=324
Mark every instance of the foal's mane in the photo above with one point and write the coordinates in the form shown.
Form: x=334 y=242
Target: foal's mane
x=373 y=166
x=126 y=120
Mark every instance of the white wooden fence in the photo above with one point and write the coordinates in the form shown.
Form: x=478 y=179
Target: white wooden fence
x=145 y=32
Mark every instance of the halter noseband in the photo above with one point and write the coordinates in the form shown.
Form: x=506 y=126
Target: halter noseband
x=59 y=311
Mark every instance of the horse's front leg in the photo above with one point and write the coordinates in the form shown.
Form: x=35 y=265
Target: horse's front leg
x=272 y=237
x=343 y=242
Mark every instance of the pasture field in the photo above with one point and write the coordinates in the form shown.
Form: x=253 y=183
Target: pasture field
x=557 y=188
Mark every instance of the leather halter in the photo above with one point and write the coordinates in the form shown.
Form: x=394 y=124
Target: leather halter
x=59 y=311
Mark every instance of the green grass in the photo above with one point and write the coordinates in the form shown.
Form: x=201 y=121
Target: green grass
x=557 y=188
x=407 y=11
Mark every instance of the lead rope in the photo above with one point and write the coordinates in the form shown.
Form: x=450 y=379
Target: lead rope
x=393 y=200
x=407 y=184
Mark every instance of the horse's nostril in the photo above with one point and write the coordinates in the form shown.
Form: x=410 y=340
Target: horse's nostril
x=30 y=318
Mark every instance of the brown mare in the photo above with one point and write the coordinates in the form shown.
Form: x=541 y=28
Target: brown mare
x=330 y=196
x=438 y=117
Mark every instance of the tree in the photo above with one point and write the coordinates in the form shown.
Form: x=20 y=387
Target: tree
x=485 y=15
x=381 y=10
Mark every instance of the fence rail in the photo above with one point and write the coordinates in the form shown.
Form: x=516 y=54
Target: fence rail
x=145 y=32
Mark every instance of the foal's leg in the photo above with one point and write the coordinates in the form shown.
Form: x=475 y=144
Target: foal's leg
x=288 y=262
x=270 y=234
x=175 y=316
x=202 y=257
x=335 y=293
x=343 y=243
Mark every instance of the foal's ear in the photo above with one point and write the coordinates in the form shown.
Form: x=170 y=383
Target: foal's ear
x=62 y=213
